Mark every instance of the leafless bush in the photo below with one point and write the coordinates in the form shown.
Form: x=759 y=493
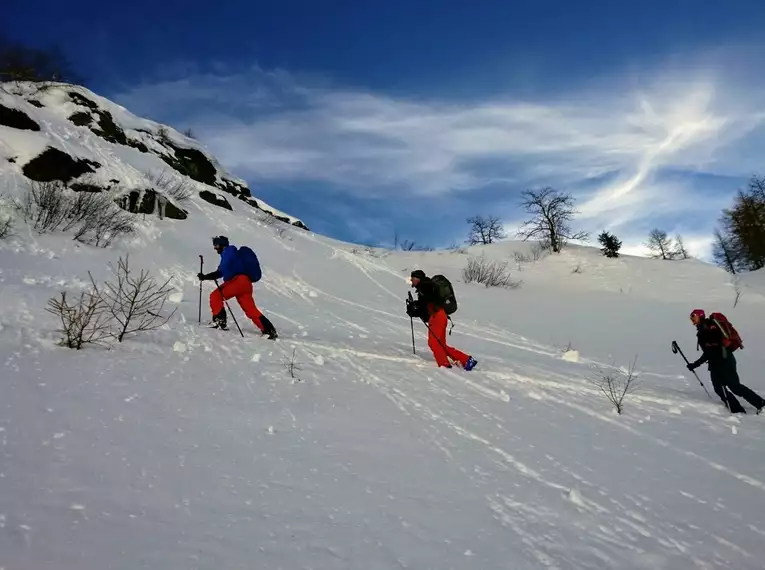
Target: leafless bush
x=489 y=273
x=45 y=205
x=616 y=385
x=94 y=217
x=172 y=186
x=291 y=366
x=163 y=134
x=84 y=322
x=457 y=248
x=280 y=231
x=578 y=268
x=6 y=227
x=268 y=220
x=135 y=303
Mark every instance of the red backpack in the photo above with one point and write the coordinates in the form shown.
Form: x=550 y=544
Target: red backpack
x=731 y=338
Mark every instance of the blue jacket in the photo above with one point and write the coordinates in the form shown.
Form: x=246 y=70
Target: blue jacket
x=230 y=266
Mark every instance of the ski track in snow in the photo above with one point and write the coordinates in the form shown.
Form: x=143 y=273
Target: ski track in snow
x=189 y=447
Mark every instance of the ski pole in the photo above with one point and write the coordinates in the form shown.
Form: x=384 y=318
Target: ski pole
x=675 y=350
x=411 y=321
x=229 y=308
x=201 y=270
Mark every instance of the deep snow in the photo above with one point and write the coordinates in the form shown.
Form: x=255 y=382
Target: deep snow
x=193 y=448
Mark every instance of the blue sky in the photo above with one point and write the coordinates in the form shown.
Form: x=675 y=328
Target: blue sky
x=367 y=118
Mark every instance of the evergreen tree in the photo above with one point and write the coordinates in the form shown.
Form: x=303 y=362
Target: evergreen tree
x=611 y=244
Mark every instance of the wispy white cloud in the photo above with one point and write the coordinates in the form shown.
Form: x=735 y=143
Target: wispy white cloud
x=611 y=144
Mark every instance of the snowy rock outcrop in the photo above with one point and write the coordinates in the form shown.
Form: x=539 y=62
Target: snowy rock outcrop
x=66 y=133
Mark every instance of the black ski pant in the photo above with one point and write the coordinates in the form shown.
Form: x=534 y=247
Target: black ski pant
x=724 y=374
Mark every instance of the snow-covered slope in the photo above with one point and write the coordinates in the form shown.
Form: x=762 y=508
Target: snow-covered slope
x=192 y=448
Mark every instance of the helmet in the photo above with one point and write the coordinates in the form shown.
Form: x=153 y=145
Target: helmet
x=220 y=240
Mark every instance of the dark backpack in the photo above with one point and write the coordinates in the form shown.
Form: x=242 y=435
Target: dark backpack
x=445 y=293
x=731 y=338
x=250 y=263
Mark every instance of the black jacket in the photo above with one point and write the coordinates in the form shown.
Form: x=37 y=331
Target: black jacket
x=428 y=300
x=710 y=340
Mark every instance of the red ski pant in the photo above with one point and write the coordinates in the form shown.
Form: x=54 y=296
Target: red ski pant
x=241 y=288
x=437 y=341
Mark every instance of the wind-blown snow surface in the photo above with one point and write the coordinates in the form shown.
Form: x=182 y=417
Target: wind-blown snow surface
x=193 y=448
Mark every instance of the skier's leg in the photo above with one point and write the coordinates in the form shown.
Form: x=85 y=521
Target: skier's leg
x=734 y=385
x=243 y=293
x=436 y=338
x=719 y=380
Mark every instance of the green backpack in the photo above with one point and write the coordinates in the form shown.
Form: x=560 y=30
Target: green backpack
x=445 y=294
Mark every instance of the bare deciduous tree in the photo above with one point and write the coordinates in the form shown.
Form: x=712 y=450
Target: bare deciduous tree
x=87 y=321
x=723 y=253
x=679 y=251
x=660 y=245
x=485 y=230
x=551 y=212
x=134 y=302
x=23 y=63
x=615 y=385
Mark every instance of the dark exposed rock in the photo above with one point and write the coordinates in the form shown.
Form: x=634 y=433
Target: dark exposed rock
x=53 y=164
x=81 y=118
x=83 y=101
x=12 y=159
x=114 y=181
x=233 y=188
x=300 y=225
x=108 y=129
x=82 y=187
x=150 y=202
x=192 y=163
x=213 y=198
x=137 y=145
x=17 y=119
x=35 y=103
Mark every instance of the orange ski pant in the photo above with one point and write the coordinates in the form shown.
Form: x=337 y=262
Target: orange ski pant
x=437 y=341
x=241 y=288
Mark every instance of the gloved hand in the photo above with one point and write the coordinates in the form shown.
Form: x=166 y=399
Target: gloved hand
x=412 y=309
x=201 y=276
x=692 y=366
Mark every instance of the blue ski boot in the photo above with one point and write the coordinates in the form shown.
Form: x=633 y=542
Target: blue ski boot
x=470 y=364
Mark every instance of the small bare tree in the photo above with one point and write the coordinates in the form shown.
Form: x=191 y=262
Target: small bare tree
x=660 y=244
x=615 y=385
x=489 y=273
x=724 y=253
x=679 y=251
x=485 y=230
x=291 y=366
x=86 y=321
x=134 y=302
x=551 y=212
x=408 y=245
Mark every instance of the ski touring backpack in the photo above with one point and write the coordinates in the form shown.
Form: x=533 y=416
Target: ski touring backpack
x=445 y=293
x=250 y=263
x=731 y=338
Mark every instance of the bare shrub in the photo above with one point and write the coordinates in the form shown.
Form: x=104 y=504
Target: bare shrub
x=615 y=385
x=737 y=289
x=489 y=273
x=174 y=187
x=280 y=231
x=94 y=217
x=45 y=205
x=268 y=220
x=457 y=248
x=291 y=366
x=86 y=321
x=163 y=134
x=135 y=303
x=578 y=268
x=6 y=227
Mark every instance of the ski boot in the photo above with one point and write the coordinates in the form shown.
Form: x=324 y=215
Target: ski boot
x=470 y=364
x=268 y=328
x=219 y=321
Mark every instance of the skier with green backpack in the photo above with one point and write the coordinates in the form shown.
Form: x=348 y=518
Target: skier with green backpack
x=434 y=305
